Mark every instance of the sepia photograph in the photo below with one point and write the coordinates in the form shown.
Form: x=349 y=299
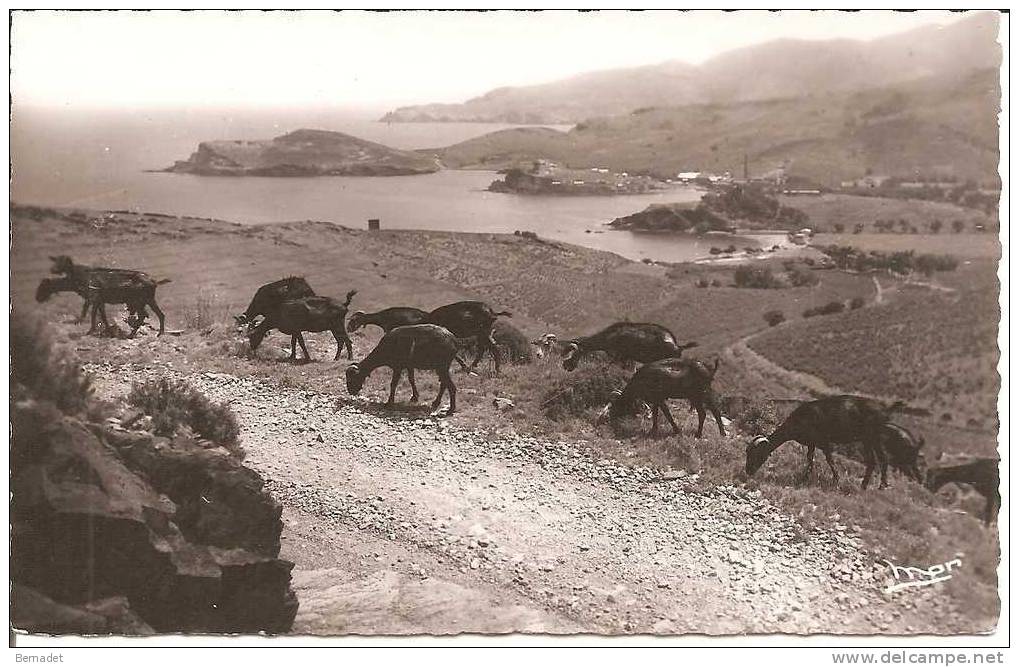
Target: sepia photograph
x=509 y=328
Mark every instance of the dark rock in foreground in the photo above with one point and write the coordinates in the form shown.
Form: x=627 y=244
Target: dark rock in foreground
x=303 y=153
x=180 y=538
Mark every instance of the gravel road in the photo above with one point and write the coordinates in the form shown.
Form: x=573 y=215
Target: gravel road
x=408 y=524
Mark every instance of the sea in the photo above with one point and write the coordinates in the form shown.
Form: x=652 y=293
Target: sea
x=101 y=159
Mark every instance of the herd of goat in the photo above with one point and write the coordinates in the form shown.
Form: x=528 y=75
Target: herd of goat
x=416 y=339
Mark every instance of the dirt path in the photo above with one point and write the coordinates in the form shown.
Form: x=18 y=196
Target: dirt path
x=408 y=524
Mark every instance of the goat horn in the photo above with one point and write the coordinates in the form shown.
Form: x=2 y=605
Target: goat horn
x=357 y=312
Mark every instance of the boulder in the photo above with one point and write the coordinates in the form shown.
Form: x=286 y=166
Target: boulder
x=93 y=517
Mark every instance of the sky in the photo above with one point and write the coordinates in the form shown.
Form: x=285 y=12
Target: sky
x=373 y=60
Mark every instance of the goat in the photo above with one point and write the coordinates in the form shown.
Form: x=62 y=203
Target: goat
x=417 y=346
x=821 y=424
x=134 y=289
x=660 y=380
x=470 y=319
x=981 y=474
x=897 y=446
x=388 y=319
x=309 y=313
x=269 y=297
x=78 y=277
x=627 y=342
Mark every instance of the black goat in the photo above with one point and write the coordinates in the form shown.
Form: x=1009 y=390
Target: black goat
x=897 y=446
x=981 y=474
x=270 y=296
x=471 y=319
x=134 y=289
x=388 y=319
x=627 y=342
x=310 y=313
x=834 y=420
x=78 y=277
x=418 y=346
x=658 y=381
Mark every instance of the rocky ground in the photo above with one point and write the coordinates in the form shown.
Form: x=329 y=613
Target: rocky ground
x=406 y=523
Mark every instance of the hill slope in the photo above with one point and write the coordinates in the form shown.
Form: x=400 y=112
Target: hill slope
x=778 y=69
x=941 y=123
x=303 y=153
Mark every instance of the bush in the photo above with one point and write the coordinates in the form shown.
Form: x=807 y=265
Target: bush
x=174 y=404
x=756 y=278
x=752 y=416
x=801 y=278
x=41 y=372
x=774 y=317
x=585 y=388
x=856 y=303
x=199 y=315
x=702 y=283
x=829 y=308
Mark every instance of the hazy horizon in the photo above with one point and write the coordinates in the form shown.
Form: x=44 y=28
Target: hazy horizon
x=368 y=62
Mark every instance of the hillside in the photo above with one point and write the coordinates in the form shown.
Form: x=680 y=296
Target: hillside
x=940 y=123
x=777 y=69
x=302 y=153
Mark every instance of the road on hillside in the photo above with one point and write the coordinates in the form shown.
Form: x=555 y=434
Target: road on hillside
x=399 y=522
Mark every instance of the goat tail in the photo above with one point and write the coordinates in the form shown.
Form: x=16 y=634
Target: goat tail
x=350 y=297
x=714 y=369
x=504 y=313
x=164 y=281
x=687 y=346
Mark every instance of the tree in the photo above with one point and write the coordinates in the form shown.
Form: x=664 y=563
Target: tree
x=935 y=226
x=839 y=227
x=958 y=226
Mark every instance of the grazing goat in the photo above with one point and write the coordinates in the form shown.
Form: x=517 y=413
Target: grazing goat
x=310 y=313
x=897 y=446
x=418 y=346
x=78 y=277
x=269 y=297
x=471 y=319
x=134 y=289
x=388 y=319
x=981 y=474
x=627 y=342
x=658 y=381
x=834 y=420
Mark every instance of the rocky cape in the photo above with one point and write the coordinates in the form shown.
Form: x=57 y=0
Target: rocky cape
x=672 y=218
x=303 y=153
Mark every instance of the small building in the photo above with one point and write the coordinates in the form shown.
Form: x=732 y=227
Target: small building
x=688 y=176
x=373 y=224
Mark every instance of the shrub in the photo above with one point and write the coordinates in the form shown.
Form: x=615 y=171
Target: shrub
x=856 y=303
x=199 y=315
x=42 y=372
x=590 y=386
x=702 y=282
x=829 y=308
x=774 y=317
x=752 y=416
x=801 y=278
x=174 y=404
x=756 y=278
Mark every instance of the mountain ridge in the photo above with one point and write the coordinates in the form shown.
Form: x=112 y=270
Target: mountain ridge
x=775 y=69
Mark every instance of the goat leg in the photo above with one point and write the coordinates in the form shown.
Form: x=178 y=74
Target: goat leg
x=831 y=464
x=413 y=386
x=304 y=348
x=668 y=415
x=397 y=372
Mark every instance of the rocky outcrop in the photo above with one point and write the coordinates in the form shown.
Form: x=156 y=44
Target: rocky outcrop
x=303 y=153
x=130 y=533
x=672 y=218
